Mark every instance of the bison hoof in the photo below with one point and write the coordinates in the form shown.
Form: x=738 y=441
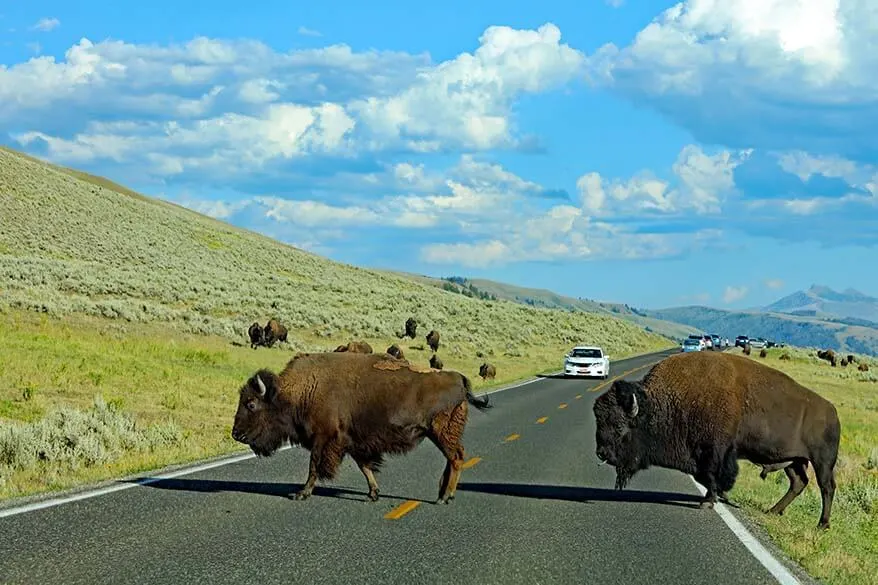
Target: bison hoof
x=373 y=496
x=302 y=495
x=706 y=505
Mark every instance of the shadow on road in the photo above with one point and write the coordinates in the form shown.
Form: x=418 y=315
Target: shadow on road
x=582 y=494
x=283 y=490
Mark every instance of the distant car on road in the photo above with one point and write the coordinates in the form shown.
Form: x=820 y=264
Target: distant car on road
x=587 y=360
x=757 y=343
x=717 y=342
x=690 y=345
x=741 y=341
x=708 y=342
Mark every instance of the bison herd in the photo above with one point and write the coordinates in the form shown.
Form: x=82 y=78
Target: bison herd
x=699 y=413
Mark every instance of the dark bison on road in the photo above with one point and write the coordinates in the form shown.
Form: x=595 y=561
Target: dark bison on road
x=365 y=406
x=273 y=332
x=701 y=412
x=256 y=335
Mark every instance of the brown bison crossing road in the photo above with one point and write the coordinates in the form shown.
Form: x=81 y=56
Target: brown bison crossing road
x=534 y=506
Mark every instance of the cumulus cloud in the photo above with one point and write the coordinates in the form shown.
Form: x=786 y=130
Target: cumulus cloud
x=46 y=24
x=701 y=182
x=732 y=294
x=774 y=283
x=309 y=32
x=776 y=74
x=242 y=105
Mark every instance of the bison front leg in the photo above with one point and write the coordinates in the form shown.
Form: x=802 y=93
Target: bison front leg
x=325 y=459
x=314 y=463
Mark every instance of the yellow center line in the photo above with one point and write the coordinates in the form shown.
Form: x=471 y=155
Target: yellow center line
x=578 y=396
x=512 y=437
x=562 y=405
x=469 y=463
x=402 y=510
x=542 y=419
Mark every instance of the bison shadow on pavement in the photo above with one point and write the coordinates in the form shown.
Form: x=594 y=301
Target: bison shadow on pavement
x=283 y=490
x=582 y=494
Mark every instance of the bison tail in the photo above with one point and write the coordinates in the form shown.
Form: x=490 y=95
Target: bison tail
x=480 y=403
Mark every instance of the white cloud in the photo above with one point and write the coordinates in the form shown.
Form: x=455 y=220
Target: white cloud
x=615 y=3
x=46 y=24
x=734 y=293
x=701 y=183
x=780 y=74
x=774 y=283
x=308 y=32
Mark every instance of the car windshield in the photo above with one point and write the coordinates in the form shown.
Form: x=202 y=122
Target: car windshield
x=585 y=353
x=691 y=342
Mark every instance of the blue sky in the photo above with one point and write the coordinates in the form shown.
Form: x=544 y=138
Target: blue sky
x=653 y=153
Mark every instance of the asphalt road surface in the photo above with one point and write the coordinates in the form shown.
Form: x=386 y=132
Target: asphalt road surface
x=533 y=506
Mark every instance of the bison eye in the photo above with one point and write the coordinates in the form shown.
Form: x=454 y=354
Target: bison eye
x=251 y=405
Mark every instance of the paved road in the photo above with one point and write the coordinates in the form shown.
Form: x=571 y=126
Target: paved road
x=534 y=509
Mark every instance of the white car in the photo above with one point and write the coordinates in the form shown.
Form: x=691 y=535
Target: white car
x=587 y=360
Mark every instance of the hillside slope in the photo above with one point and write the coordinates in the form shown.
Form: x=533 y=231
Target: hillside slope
x=74 y=243
x=537 y=297
x=797 y=330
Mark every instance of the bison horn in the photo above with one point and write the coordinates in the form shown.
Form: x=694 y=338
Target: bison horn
x=261 y=385
x=634 y=408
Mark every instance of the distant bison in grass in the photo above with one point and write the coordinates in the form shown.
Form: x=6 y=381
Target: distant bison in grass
x=354 y=347
x=365 y=406
x=763 y=353
x=700 y=412
x=863 y=367
x=433 y=340
x=274 y=332
x=256 y=334
x=487 y=370
x=395 y=351
x=411 y=327
x=436 y=362
x=746 y=349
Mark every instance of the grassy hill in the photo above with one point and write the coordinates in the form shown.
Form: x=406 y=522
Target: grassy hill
x=106 y=292
x=801 y=330
x=537 y=297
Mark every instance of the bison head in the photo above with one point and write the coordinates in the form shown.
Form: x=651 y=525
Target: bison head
x=259 y=419
x=619 y=413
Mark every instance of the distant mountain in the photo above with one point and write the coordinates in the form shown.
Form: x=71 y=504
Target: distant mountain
x=839 y=333
x=823 y=302
x=537 y=297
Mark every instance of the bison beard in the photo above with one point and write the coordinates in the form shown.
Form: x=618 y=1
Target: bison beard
x=699 y=413
x=362 y=405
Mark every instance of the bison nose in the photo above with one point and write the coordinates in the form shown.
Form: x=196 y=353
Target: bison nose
x=236 y=434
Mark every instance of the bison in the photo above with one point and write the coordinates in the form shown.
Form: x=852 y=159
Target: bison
x=365 y=406
x=273 y=332
x=863 y=367
x=433 y=340
x=354 y=347
x=411 y=327
x=487 y=370
x=700 y=412
x=436 y=362
x=395 y=351
x=257 y=336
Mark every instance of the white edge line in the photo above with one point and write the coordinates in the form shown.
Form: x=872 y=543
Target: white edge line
x=765 y=558
x=51 y=502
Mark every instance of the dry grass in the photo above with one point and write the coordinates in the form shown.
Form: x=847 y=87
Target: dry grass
x=148 y=304
x=848 y=553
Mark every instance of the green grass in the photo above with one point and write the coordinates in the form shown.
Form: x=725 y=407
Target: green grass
x=147 y=305
x=847 y=554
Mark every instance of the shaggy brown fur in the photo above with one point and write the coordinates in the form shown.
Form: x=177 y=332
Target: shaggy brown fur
x=273 y=332
x=256 y=335
x=487 y=370
x=844 y=362
x=863 y=367
x=436 y=362
x=433 y=340
x=829 y=356
x=411 y=327
x=700 y=412
x=354 y=347
x=395 y=351
x=365 y=406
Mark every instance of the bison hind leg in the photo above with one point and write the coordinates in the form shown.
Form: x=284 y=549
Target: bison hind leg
x=797 y=472
x=369 y=466
x=446 y=431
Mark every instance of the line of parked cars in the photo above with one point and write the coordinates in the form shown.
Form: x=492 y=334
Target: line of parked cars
x=709 y=341
x=756 y=342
